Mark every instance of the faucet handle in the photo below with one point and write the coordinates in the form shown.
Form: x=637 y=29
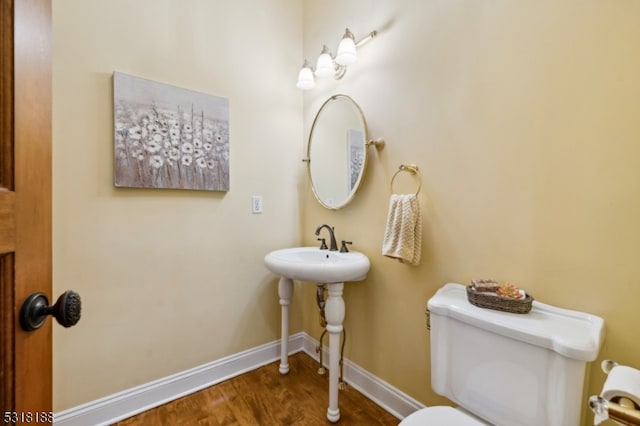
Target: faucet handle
x=344 y=248
x=323 y=246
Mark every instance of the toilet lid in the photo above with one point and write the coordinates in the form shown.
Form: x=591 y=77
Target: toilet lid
x=440 y=416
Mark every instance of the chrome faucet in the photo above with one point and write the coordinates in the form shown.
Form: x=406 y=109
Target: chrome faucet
x=333 y=246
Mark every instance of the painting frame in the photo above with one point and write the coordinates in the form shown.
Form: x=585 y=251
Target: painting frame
x=168 y=137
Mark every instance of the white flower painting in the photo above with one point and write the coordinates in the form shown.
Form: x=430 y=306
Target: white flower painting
x=169 y=137
x=355 y=155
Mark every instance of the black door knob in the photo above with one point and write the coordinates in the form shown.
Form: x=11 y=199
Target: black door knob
x=36 y=307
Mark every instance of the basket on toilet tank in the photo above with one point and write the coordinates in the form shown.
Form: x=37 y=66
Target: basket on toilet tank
x=490 y=300
x=506 y=369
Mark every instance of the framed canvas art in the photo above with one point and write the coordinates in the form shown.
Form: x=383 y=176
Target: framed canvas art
x=169 y=137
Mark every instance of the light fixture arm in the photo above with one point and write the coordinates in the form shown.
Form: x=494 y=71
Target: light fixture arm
x=341 y=70
x=367 y=38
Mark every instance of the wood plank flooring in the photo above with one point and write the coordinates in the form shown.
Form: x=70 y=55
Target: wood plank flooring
x=264 y=397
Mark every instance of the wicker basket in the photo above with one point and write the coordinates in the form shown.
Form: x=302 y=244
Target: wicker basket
x=489 y=300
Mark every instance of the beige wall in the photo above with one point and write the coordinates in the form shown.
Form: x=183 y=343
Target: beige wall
x=170 y=279
x=523 y=119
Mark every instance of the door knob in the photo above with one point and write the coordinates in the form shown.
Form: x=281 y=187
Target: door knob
x=36 y=307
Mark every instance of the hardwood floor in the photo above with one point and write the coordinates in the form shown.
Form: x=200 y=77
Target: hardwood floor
x=264 y=397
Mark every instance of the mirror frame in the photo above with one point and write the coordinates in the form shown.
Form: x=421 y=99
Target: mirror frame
x=367 y=143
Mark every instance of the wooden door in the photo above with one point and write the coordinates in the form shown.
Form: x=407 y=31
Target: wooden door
x=25 y=206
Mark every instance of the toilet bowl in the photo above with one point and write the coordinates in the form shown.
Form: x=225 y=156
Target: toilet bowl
x=441 y=416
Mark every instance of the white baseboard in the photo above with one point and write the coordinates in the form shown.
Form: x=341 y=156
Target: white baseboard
x=393 y=400
x=122 y=405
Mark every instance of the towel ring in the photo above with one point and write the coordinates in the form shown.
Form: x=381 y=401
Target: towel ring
x=411 y=168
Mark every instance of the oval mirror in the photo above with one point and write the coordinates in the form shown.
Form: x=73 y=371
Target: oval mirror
x=337 y=151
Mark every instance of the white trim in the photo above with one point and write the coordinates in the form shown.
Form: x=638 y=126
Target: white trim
x=393 y=400
x=119 y=406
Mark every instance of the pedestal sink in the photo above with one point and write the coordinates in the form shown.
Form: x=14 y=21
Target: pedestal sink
x=319 y=266
x=332 y=269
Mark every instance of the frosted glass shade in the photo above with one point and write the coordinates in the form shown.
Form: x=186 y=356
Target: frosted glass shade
x=325 y=66
x=346 y=52
x=305 y=79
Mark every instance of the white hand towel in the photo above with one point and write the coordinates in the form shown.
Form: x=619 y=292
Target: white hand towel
x=403 y=234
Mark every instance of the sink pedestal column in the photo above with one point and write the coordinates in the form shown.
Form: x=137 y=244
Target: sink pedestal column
x=285 y=290
x=334 y=313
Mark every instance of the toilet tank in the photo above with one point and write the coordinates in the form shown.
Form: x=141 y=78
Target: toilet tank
x=511 y=369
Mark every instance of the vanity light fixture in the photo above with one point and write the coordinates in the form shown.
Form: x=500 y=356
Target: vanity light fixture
x=329 y=65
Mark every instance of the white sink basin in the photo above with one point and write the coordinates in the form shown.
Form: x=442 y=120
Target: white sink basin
x=320 y=266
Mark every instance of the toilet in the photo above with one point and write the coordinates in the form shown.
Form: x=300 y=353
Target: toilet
x=507 y=369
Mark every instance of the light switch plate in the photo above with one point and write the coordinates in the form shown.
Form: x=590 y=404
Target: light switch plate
x=256 y=204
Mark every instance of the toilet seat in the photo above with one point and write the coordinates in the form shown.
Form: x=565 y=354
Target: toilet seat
x=440 y=416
